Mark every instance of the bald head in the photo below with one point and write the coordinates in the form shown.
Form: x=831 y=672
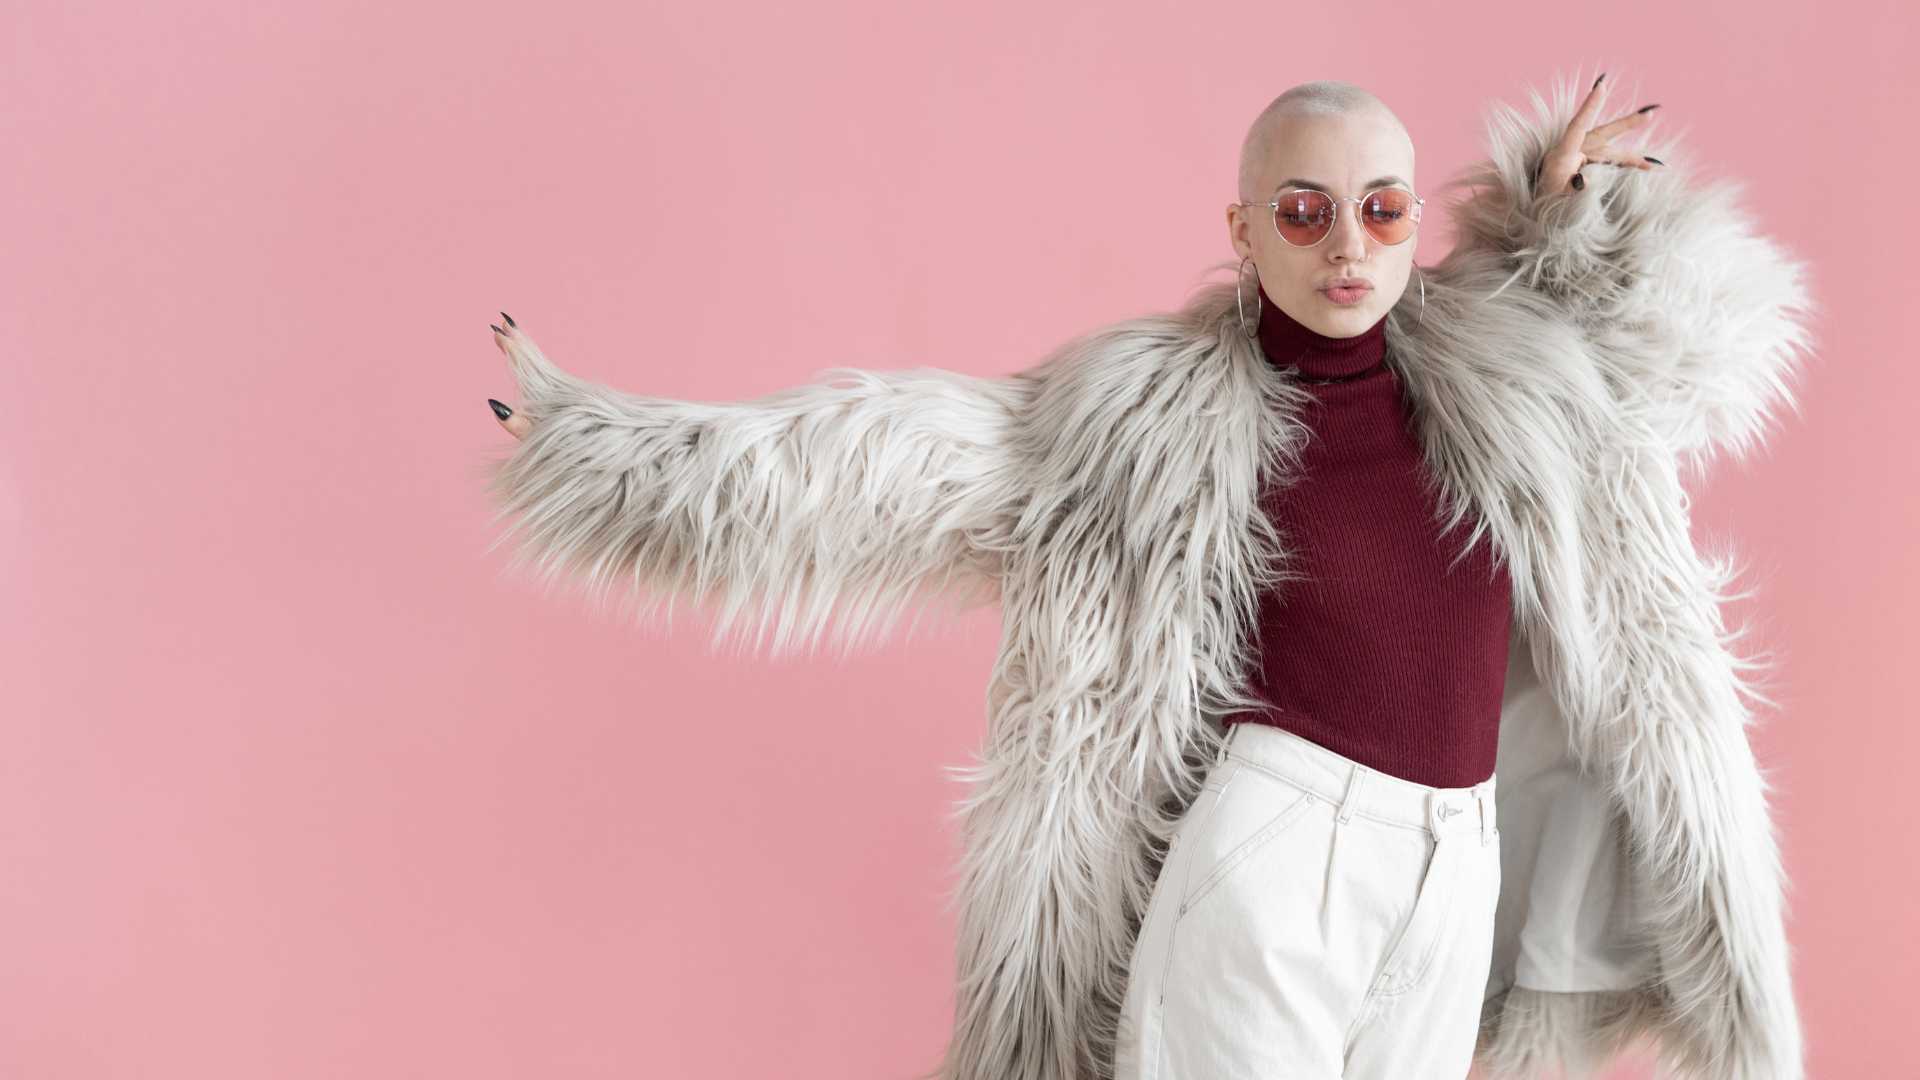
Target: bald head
x=1322 y=99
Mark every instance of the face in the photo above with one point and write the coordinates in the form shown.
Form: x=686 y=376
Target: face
x=1342 y=155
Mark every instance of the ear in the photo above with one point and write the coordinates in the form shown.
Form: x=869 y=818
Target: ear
x=1237 y=231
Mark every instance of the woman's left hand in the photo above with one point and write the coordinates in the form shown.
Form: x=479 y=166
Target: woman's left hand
x=1584 y=144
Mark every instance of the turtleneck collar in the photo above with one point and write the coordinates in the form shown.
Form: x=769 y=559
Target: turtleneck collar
x=1289 y=342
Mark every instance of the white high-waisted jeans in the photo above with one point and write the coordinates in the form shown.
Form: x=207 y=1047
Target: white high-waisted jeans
x=1314 y=918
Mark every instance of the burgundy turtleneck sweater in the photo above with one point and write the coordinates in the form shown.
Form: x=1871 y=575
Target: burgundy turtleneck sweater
x=1381 y=653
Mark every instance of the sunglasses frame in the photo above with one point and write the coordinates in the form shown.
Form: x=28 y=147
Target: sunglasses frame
x=1273 y=214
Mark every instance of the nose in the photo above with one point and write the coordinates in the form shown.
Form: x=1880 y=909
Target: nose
x=1349 y=239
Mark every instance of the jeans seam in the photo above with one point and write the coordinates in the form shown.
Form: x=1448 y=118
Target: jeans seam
x=1402 y=985
x=1242 y=852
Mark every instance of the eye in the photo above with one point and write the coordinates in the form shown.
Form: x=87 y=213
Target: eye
x=1389 y=206
x=1303 y=210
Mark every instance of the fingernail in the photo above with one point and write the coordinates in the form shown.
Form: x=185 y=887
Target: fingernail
x=1643 y=108
x=500 y=410
x=1653 y=159
x=1596 y=82
x=510 y=321
x=1579 y=182
x=496 y=329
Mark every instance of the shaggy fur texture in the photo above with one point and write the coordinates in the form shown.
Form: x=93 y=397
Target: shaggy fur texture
x=1575 y=351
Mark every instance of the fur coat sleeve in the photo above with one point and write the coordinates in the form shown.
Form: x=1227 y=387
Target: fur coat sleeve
x=1633 y=793
x=820 y=511
x=1698 y=320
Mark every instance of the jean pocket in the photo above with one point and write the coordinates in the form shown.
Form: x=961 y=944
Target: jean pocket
x=1248 y=810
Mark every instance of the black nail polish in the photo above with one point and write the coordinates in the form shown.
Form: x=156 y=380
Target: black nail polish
x=510 y=321
x=500 y=410
x=1653 y=159
x=496 y=329
x=1646 y=108
x=1596 y=82
x=1579 y=182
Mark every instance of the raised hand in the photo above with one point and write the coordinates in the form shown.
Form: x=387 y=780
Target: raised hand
x=516 y=424
x=1584 y=144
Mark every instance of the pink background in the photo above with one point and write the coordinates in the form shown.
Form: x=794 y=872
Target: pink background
x=296 y=782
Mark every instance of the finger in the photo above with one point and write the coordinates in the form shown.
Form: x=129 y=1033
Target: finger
x=509 y=337
x=1576 y=132
x=509 y=342
x=516 y=424
x=1560 y=166
x=536 y=376
x=1625 y=123
x=1628 y=161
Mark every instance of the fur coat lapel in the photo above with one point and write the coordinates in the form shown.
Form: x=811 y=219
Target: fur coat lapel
x=1108 y=498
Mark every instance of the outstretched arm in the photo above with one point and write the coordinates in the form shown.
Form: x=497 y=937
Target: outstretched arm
x=819 y=510
x=1697 y=318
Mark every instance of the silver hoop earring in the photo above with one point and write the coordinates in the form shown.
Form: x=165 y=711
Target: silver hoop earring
x=1423 y=295
x=1240 y=302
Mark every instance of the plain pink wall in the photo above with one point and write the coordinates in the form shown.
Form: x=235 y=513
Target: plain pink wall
x=296 y=782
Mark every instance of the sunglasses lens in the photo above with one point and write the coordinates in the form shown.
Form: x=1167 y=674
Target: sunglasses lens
x=1303 y=217
x=1390 y=215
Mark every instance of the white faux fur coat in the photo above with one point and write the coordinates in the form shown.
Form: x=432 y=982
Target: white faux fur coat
x=1578 y=355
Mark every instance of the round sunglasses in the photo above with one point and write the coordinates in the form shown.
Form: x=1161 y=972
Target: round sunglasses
x=1303 y=217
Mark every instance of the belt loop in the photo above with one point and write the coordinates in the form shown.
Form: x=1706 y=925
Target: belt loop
x=1438 y=811
x=1353 y=794
x=1488 y=817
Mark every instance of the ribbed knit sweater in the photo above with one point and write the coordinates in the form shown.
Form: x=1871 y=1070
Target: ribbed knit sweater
x=1381 y=653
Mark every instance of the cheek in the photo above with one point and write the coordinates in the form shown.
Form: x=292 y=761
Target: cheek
x=1396 y=282
x=1288 y=271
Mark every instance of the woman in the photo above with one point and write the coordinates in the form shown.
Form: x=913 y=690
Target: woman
x=1384 y=669
x=1378 y=537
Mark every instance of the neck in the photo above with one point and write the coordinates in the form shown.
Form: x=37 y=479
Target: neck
x=1291 y=343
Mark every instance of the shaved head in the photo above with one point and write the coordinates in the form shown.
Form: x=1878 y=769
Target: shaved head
x=1325 y=97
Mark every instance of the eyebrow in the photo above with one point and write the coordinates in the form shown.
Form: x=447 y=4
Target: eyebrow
x=1376 y=182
